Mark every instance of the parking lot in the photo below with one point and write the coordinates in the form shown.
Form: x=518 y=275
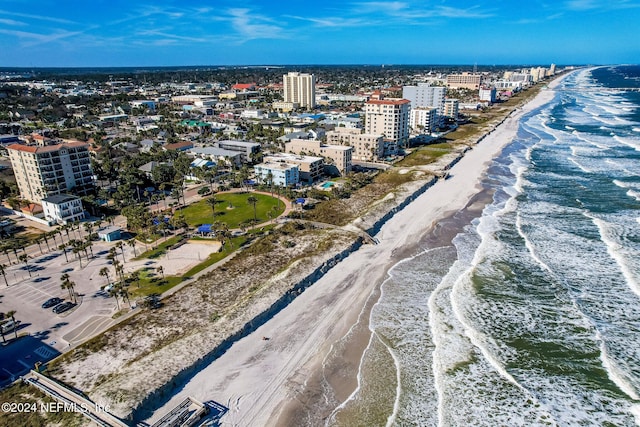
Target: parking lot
x=32 y=284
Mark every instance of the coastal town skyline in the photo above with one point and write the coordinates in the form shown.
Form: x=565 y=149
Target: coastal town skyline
x=117 y=34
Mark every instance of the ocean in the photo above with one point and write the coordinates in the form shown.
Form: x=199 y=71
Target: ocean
x=531 y=315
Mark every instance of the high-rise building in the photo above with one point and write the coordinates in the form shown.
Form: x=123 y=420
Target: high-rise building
x=451 y=107
x=300 y=88
x=425 y=95
x=389 y=118
x=43 y=171
x=423 y=120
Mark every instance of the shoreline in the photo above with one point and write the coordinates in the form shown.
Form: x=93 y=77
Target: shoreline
x=258 y=380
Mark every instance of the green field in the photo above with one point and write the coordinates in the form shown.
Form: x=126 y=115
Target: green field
x=233 y=209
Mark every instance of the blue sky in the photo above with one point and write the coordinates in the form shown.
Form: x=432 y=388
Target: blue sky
x=64 y=33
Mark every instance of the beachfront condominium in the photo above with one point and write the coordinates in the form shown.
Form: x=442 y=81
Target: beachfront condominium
x=43 y=171
x=451 y=108
x=366 y=147
x=281 y=174
x=425 y=95
x=300 y=88
x=389 y=118
x=422 y=120
x=337 y=157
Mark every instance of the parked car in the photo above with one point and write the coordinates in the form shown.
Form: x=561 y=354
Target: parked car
x=9 y=326
x=65 y=306
x=52 y=302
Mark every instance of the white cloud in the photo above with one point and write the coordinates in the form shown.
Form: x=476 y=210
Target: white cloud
x=249 y=26
x=12 y=22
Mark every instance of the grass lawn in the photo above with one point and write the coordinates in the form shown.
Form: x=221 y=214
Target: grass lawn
x=425 y=154
x=241 y=210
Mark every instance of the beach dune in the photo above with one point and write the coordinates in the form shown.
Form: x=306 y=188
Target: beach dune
x=257 y=379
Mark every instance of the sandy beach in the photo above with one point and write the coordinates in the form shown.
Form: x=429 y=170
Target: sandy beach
x=263 y=381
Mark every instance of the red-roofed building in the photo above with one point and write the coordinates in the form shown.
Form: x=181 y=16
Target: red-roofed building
x=244 y=86
x=179 y=146
x=43 y=171
x=389 y=118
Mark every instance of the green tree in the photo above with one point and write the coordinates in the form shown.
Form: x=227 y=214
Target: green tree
x=132 y=244
x=104 y=272
x=253 y=201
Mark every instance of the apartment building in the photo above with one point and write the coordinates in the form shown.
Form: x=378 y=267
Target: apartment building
x=246 y=149
x=366 y=147
x=43 y=171
x=425 y=95
x=309 y=167
x=464 y=81
x=281 y=174
x=423 y=120
x=451 y=108
x=300 y=88
x=389 y=118
x=63 y=208
x=487 y=94
x=337 y=157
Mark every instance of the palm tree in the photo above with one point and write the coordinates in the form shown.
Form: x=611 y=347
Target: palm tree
x=45 y=237
x=12 y=314
x=104 y=271
x=252 y=200
x=4 y=273
x=125 y=295
x=211 y=201
x=25 y=258
x=132 y=244
x=270 y=181
x=120 y=271
x=114 y=293
x=76 y=250
x=38 y=240
x=63 y=248
x=68 y=285
x=120 y=246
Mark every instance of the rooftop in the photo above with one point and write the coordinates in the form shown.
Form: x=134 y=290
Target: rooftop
x=60 y=198
x=46 y=148
x=388 y=101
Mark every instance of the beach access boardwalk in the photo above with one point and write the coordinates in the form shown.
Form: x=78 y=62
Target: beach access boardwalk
x=188 y=413
x=72 y=401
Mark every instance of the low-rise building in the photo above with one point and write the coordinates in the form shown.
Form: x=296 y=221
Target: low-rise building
x=338 y=158
x=309 y=167
x=218 y=155
x=366 y=147
x=246 y=149
x=285 y=106
x=279 y=173
x=487 y=94
x=63 y=208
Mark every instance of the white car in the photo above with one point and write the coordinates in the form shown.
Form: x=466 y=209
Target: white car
x=8 y=326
